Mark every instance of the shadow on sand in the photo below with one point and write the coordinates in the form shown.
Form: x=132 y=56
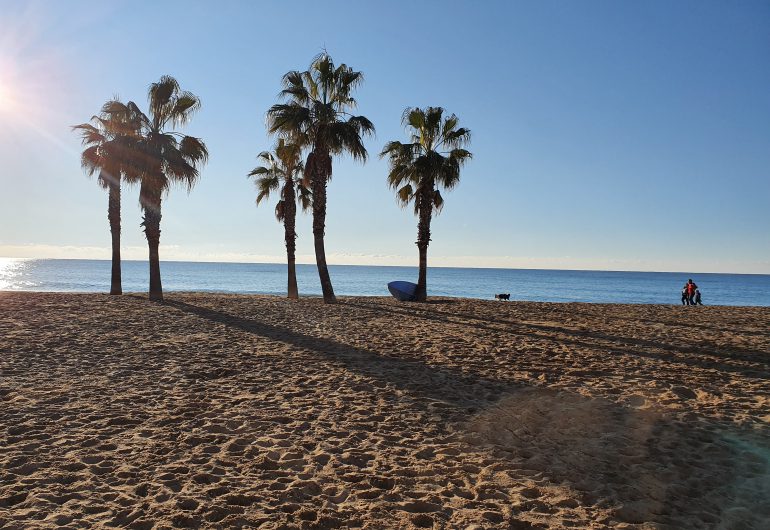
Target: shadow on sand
x=757 y=364
x=647 y=467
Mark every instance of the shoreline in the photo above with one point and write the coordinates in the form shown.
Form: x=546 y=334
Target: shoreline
x=431 y=299
x=233 y=409
x=481 y=284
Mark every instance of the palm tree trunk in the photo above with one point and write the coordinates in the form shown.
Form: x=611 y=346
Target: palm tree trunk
x=290 y=234
x=320 y=178
x=151 y=204
x=319 y=220
x=113 y=214
x=421 y=295
x=423 y=240
x=293 y=292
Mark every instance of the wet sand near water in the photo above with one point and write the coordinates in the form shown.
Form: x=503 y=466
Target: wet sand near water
x=220 y=411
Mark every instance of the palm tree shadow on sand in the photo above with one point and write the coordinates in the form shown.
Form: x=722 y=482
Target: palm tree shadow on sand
x=643 y=466
x=751 y=363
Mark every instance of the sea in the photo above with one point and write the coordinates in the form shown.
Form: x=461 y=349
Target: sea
x=72 y=275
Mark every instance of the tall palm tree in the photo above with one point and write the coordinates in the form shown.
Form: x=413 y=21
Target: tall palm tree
x=317 y=112
x=432 y=160
x=161 y=157
x=283 y=169
x=106 y=140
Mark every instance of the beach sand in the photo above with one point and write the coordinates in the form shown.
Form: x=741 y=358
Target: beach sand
x=221 y=411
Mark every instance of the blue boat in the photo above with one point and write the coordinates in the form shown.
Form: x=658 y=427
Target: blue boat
x=403 y=291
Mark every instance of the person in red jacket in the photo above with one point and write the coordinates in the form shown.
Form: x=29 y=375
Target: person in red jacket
x=690 y=288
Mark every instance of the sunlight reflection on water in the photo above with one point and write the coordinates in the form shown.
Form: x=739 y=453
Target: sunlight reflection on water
x=10 y=268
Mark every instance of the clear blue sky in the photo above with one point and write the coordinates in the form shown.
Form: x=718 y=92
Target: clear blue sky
x=606 y=135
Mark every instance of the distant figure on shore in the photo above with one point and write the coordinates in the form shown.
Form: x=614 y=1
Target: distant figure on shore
x=697 y=297
x=685 y=299
x=690 y=287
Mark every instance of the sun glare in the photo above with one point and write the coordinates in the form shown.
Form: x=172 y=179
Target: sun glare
x=37 y=88
x=8 y=95
x=9 y=268
x=5 y=98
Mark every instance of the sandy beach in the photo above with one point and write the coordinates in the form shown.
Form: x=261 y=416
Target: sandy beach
x=221 y=411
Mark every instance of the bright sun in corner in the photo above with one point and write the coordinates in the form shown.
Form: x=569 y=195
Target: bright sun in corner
x=5 y=98
x=36 y=90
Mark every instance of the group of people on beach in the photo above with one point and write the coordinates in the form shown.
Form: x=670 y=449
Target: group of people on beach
x=691 y=294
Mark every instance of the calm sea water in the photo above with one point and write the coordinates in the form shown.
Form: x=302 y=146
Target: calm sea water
x=540 y=285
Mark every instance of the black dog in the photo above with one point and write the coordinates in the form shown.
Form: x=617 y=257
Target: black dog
x=503 y=296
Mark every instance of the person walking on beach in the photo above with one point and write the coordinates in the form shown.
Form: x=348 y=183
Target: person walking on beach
x=697 y=297
x=685 y=300
x=690 y=287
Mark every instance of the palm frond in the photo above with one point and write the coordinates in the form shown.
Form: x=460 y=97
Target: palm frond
x=296 y=93
x=461 y=155
x=90 y=160
x=454 y=139
x=289 y=155
x=438 y=201
x=89 y=134
x=449 y=125
x=304 y=195
x=280 y=211
x=160 y=95
x=311 y=86
x=193 y=150
x=362 y=125
x=405 y=195
x=292 y=79
x=433 y=119
x=266 y=184
x=413 y=117
x=291 y=118
x=184 y=106
x=259 y=171
x=343 y=136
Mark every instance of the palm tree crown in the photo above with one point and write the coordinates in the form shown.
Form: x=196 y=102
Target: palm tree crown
x=162 y=156
x=317 y=112
x=107 y=138
x=432 y=159
x=283 y=167
x=317 y=116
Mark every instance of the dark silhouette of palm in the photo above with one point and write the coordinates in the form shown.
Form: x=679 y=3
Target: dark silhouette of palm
x=283 y=169
x=432 y=160
x=107 y=139
x=160 y=157
x=317 y=117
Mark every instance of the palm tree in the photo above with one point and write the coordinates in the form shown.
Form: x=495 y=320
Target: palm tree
x=161 y=157
x=317 y=113
x=106 y=139
x=283 y=169
x=433 y=160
